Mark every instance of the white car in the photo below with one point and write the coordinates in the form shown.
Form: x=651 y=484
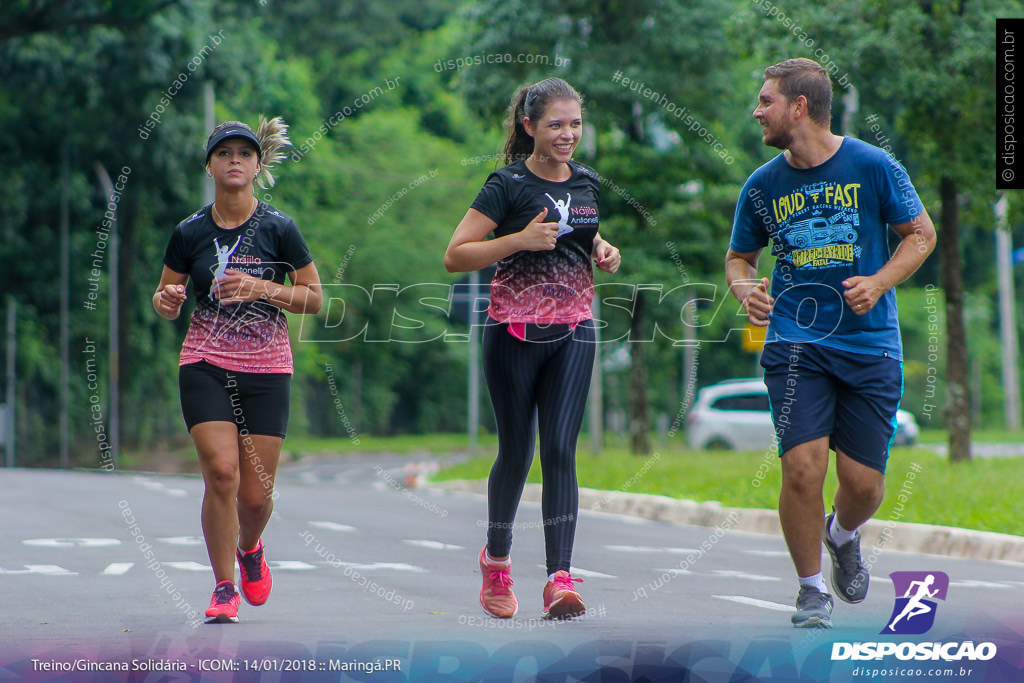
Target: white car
x=736 y=415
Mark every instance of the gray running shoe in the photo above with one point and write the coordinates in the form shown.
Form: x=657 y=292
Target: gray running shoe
x=813 y=609
x=849 y=575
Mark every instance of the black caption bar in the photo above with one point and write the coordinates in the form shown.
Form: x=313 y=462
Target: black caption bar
x=1009 y=136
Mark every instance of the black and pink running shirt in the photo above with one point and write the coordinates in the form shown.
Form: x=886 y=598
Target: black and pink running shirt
x=245 y=337
x=543 y=287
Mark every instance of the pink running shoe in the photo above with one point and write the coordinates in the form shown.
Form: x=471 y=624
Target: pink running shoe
x=223 y=607
x=496 y=594
x=256 y=579
x=561 y=601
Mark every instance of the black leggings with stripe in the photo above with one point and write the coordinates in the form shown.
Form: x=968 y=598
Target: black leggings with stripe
x=535 y=384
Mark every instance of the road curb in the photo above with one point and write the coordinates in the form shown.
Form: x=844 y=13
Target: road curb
x=878 y=533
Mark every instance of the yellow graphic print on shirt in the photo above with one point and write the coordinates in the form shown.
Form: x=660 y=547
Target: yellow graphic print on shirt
x=818 y=224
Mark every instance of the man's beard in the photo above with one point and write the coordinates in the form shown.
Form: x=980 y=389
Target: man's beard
x=779 y=139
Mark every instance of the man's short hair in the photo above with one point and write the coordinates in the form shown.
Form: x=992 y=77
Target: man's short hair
x=805 y=77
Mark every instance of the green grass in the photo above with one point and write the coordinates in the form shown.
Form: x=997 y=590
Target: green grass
x=929 y=436
x=434 y=444
x=971 y=495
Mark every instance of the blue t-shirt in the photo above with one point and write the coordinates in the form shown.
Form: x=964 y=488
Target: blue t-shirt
x=826 y=224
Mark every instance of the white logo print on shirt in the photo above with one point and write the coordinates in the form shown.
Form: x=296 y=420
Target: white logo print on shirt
x=563 y=211
x=223 y=257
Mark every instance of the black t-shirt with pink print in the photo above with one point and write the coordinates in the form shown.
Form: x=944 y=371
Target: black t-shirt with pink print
x=249 y=336
x=543 y=287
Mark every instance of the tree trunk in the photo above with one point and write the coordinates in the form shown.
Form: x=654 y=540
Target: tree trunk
x=357 y=394
x=958 y=419
x=639 y=421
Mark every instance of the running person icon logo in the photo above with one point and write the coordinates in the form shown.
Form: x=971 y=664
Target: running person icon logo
x=914 y=611
x=563 y=211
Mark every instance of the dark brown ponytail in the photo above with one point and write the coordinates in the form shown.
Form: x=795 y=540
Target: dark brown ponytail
x=532 y=101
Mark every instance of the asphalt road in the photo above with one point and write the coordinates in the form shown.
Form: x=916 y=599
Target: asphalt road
x=111 y=569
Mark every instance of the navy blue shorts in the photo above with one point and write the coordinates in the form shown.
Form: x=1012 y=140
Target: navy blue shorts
x=254 y=401
x=818 y=391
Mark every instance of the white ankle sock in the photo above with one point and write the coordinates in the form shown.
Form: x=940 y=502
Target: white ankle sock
x=507 y=561
x=816 y=582
x=838 y=534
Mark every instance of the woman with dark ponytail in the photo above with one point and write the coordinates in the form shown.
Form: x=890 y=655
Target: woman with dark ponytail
x=539 y=342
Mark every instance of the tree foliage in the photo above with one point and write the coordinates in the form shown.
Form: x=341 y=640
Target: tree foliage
x=396 y=110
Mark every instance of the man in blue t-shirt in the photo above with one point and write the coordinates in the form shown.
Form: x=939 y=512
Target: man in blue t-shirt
x=832 y=355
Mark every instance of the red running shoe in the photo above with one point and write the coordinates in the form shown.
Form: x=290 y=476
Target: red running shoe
x=224 y=604
x=561 y=601
x=256 y=579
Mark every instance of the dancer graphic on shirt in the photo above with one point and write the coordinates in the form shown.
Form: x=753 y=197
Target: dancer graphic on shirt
x=563 y=212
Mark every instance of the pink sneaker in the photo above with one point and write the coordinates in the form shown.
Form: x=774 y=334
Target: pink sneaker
x=256 y=579
x=224 y=604
x=561 y=601
x=496 y=594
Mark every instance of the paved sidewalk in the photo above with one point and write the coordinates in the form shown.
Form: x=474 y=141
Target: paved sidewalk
x=887 y=534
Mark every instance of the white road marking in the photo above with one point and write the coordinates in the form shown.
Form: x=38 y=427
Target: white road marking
x=433 y=545
x=182 y=540
x=289 y=565
x=284 y=565
x=768 y=553
x=585 y=573
x=332 y=526
x=189 y=566
x=49 y=569
x=733 y=573
x=743 y=600
x=117 y=568
x=371 y=566
x=974 y=583
x=589 y=574
x=628 y=519
x=672 y=570
x=160 y=486
x=71 y=542
x=649 y=549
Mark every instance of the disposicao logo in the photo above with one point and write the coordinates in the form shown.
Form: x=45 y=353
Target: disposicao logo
x=916 y=592
x=914 y=614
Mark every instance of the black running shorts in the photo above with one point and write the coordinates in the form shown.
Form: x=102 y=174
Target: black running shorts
x=257 y=402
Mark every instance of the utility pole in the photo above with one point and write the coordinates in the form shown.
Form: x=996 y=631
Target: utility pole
x=596 y=384
x=473 y=426
x=208 y=100
x=65 y=293
x=851 y=105
x=1007 y=318
x=690 y=346
x=12 y=341
x=114 y=428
